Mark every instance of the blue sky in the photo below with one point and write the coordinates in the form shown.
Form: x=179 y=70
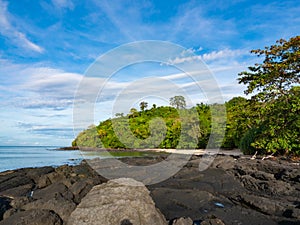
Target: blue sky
x=46 y=47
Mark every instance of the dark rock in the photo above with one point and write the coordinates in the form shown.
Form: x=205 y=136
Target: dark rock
x=126 y=222
x=36 y=173
x=24 y=190
x=225 y=162
x=182 y=202
x=262 y=204
x=60 y=205
x=81 y=188
x=260 y=175
x=4 y=205
x=43 y=181
x=22 y=177
x=18 y=179
x=53 y=177
x=51 y=191
x=33 y=217
x=255 y=176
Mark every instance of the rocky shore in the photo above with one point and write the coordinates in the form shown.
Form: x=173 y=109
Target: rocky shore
x=233 y=190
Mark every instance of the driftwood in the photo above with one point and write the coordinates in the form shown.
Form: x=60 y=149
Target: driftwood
x=263 y=158
x=268 y=156
x=254 y=156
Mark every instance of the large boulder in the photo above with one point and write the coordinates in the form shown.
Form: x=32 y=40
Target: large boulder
x=120 y=201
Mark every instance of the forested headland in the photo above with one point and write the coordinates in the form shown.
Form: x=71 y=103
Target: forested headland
x=268 y=121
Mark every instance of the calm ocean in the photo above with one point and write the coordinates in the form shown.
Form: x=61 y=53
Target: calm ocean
x=14 y=157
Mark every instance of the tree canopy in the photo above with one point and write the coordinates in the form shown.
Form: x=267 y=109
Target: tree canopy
x=143 y=105
x=274 y=84
x=178 y=102
x=277 y=74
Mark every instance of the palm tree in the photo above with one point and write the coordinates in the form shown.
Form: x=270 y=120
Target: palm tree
x=143 y=105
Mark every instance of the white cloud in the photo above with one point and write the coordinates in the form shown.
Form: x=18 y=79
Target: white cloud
x=26 y=43
x=226 y=53
x=36 y=86
x=17 y=37
x=179 y=60
x=207 y=57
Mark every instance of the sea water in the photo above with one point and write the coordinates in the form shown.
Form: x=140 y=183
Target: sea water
x=15 y=157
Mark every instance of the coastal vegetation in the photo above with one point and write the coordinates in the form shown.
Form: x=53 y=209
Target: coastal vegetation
x=268 y=121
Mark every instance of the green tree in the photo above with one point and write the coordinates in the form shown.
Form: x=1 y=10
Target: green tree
x=273 y=84
x=133 y=112
x=238 y=121
x=88 y=138
x=178 y=102
x=119 y=114
x=143 y=105
x=278 y=72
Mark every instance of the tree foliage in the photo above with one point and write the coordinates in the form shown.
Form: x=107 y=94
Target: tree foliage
x=273 y=84
x=178 y=102
x=88 y=138
x=278 y=72
x=143 y=105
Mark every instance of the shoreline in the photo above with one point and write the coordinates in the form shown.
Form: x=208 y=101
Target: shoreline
x=198 y=152
x=233 y=189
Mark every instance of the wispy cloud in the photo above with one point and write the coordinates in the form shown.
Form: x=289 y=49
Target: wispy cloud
x=60 y=131
x=191 y=24
x=15 y=36
x=36 y=86
x=51 y=88
x=208 y=57
x=226 y=53
x=127 y=19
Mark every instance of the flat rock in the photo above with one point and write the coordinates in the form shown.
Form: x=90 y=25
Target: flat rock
x=19 y=191
x=14 y=181
x=33 y=217
x=51 y=191
x=121 y=201
x=59 y=204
